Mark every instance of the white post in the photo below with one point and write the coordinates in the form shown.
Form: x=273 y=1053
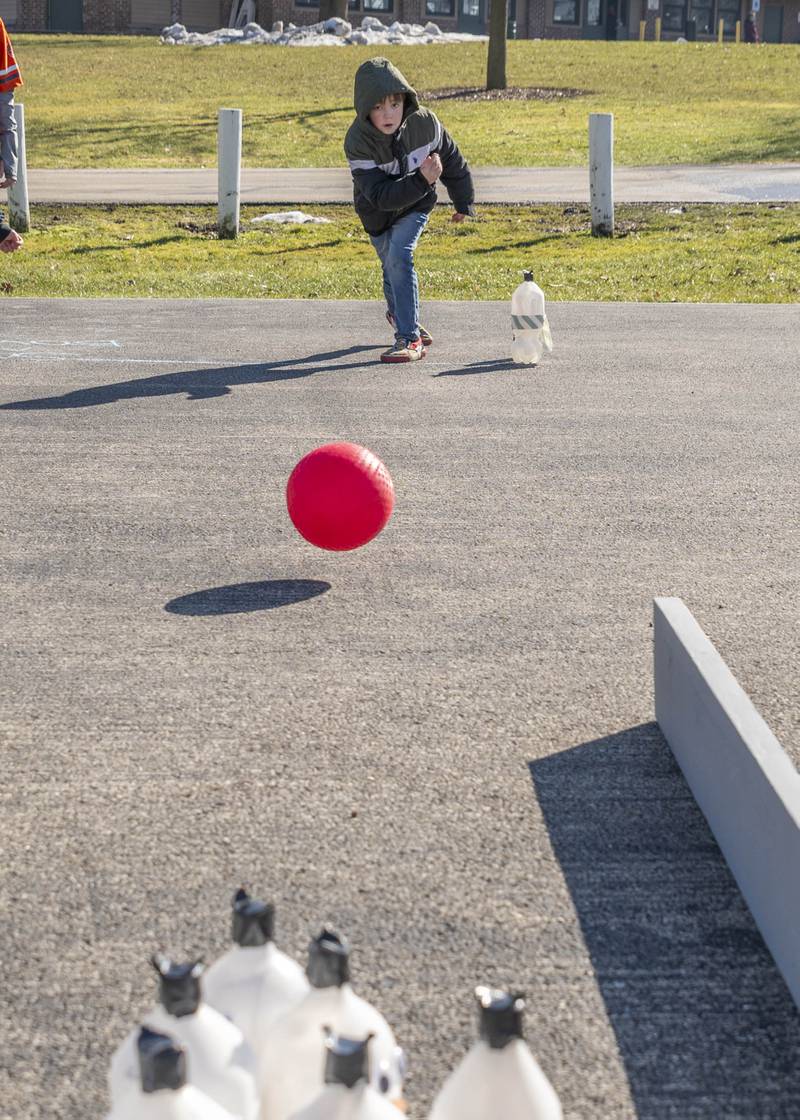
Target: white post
x=229 y=160
x=19 y=214
x=601 y=173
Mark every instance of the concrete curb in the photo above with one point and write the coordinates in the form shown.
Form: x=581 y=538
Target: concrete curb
x=742 y=779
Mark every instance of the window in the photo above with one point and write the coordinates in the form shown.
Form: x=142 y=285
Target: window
x=703 y=14
x=378 y=5
x=594 y=13
x=565 y=11
x=674 y=17
x=440 y=7
x=728 y=11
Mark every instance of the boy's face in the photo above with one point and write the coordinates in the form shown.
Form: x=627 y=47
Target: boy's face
x=387 y=115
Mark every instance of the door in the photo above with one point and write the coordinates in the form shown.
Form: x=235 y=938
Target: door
x=472 y=16
x=65 y=15
x=773 y=23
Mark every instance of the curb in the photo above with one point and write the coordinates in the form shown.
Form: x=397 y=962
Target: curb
x=742 y=779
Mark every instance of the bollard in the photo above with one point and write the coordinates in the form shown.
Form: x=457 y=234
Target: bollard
x=738 y=31
x=721 y=30
x=229 y=161
x=601 y=173
x=658 y=29
x=642 y=26
x=19 y=213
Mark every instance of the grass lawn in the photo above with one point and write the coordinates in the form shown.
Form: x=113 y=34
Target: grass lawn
x=130 y=102
x=747 y=253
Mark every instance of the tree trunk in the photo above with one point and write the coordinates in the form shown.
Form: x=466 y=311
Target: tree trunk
x=496 y=66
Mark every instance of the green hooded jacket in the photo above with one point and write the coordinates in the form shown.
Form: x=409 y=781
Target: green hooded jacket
x=387 y=182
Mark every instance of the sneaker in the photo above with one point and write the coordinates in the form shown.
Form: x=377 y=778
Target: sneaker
x=403 y=351
x=424 y=336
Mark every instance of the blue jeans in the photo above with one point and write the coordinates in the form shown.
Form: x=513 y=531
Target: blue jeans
x=8 y=135
x=395 y=247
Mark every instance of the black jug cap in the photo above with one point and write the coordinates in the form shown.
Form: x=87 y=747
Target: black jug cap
x=328 y=961
x=253 y=921
x=500 y=1016
x=162 y=1063
x=346 y=1059
x=527 y=276
x=179 y=990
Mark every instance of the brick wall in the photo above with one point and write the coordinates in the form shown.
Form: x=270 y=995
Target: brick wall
x=106 y=16
x=32 y=15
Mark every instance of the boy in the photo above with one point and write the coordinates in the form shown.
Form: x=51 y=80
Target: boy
x=396 y=152
x=9 y=80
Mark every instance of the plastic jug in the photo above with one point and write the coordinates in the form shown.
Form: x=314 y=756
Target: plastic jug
x=498 y=1077
x=220 y=1062
x=530 y=337
x=347 y=1094
x=292 y=1062
x=254 y=983
x=163 y=1093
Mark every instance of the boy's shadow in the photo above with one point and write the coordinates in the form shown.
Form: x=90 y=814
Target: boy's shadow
x=198 y=384
x=239 y=598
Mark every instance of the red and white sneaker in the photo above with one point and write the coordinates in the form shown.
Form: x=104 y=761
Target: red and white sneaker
x=404 y=351
x=425 y=337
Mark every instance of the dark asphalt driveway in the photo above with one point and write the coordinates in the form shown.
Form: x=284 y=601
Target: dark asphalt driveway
x=442 y=743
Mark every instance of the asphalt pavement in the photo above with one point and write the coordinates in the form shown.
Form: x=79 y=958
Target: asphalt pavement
x=733 y=182
x=443 y=743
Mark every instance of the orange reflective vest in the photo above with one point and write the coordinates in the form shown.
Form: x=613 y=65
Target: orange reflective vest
x=10 y=76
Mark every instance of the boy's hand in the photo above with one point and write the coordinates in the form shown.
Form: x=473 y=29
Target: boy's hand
x=11 y=242
x=457 y=217
x=431 y=167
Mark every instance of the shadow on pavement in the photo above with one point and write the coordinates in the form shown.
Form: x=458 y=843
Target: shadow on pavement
x=705 y=1025
x=490 y=365
x=238 y=598
x=198 y=384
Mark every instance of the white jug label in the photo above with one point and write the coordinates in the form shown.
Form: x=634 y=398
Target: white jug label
x=527 y=322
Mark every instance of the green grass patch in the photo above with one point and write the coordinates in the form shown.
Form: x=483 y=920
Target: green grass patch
x=131 y=102
x=705 y=253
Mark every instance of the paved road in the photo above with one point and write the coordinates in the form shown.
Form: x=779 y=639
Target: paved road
x=715 y=183
x=442 y=743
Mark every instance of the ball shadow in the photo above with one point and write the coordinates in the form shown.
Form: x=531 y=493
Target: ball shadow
x=237 y=598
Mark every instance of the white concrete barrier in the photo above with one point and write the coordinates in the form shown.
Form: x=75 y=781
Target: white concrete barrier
x=601 y=173
x=741 y=777
x=229 y=166
x=19 y=213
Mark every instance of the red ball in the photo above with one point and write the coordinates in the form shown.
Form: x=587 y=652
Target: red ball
x=339 y=496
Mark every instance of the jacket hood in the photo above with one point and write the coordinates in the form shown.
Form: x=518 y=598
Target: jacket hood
x=375 y=80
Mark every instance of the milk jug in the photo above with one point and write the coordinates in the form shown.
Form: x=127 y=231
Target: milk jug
x=254 y=983
x=219 y=1061
x=163 y=1093
x=530 y=336
x=347 y=1094
x=498 y=1077
x=292 y=1063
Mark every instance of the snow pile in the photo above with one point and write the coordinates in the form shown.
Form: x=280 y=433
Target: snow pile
x=330 y=33
x=290 y=218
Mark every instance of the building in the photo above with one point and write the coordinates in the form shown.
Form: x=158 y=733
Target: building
x=778 y=21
